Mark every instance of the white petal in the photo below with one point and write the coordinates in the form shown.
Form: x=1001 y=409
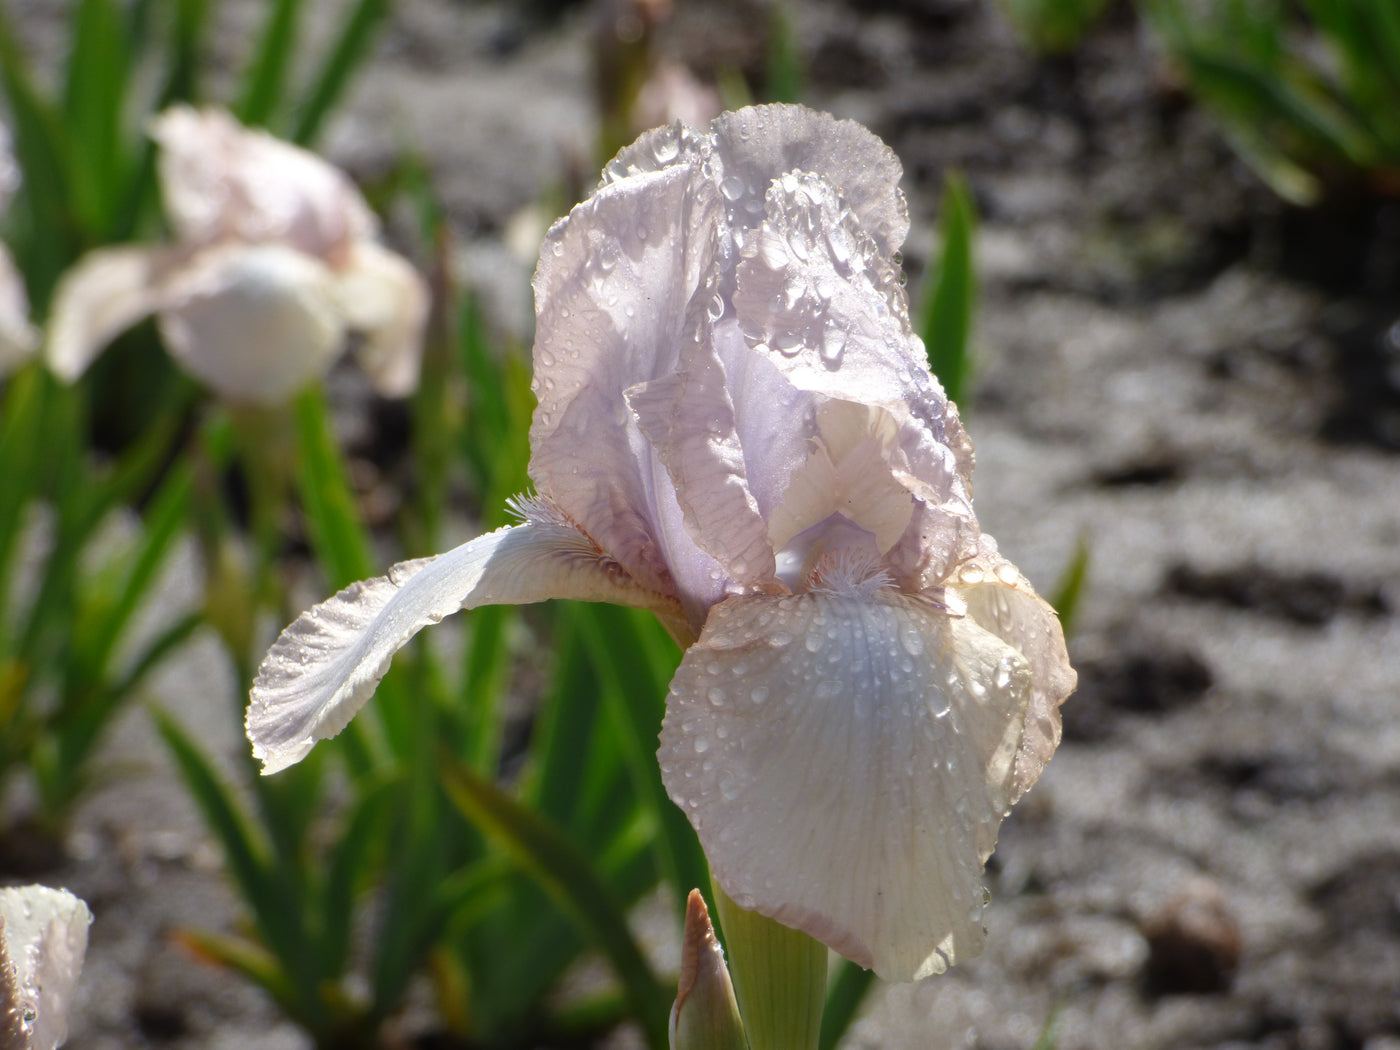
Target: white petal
x=846 y=763
x=103 y=294
x=45 y=933
x=762 y=142
x=1003 y=602
x=255 y=322
x=689 y=419
x=219 y=179
x=385 y=299
x=613 y=293
x=325 y=665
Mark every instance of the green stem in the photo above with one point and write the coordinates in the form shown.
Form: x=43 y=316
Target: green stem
x=779 y=978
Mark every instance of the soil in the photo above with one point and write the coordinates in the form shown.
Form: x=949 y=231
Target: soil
x=1197 y=381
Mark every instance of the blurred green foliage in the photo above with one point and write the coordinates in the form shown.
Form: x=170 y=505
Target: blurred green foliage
x=1052 y=27
x=1307 y=93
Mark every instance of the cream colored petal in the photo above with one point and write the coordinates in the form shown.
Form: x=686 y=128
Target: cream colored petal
x=760 y=143
x=254 y=322
x=613 y=294
x=846 y=761
x=688 y=418
x=43 y=938
x=219 y=179
x=18 y=338
x=386 y=300
x=103 y=294
x=1003 y=602
x=324 y=666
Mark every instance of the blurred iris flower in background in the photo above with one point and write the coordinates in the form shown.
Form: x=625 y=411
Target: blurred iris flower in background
x=737 y=430
x=275 y=264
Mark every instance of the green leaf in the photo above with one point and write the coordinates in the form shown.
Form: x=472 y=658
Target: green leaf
x=349 y=51
x=568 y=876
x=950 y=292
x=844 y=996
x=99 y=69
x=340 y=540
x=1069 y=589
x=265 y=82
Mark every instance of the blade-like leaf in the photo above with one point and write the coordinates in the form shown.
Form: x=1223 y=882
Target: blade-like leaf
x=950 y=293
x=567 y=875
x=349 y=51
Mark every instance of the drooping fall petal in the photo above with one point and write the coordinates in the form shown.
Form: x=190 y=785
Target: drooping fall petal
x=846 y=759
x=255 y=322
x=107 y=292
x=324 y=666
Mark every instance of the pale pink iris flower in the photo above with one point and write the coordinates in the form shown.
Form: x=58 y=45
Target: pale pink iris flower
x=738 y=431
x=275 y=264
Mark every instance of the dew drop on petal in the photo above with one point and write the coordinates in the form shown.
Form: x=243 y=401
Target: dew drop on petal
x=716 y=308
x=732 y=188
x=833 y=346
x=911 y=639
x=759 y=694
x=701 y=745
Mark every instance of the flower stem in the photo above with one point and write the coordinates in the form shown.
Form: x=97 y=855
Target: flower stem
x=779 y=978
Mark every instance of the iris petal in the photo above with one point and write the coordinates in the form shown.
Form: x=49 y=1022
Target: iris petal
x=846 y=760
x=323 y=668
x=107 y=292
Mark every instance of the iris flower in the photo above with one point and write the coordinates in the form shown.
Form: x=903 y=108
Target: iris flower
x=274 y=265
x=737 y=430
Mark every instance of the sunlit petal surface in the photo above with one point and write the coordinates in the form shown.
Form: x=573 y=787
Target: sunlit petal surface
x=43 y=938
x=846 y=760
x=325 y=665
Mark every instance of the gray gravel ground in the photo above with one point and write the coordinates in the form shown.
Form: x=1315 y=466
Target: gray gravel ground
x=1171 y=366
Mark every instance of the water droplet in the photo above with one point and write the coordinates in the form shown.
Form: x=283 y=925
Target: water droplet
x=789 y=344
x=793 y=290
x=1006 y=573
x=759 y=694
x=731 y=787
x=798 y=245
x=716 y=309
x=971 y=575
x=702 y=744
x=911 y=639
x=607 y=256
x=630 y=310
x=833 y=346
x=558 y=248
x=666 y=147
x=642 y=232
x=1003 y=673
x=813 y=642
x=732 y=188
x=717 y=696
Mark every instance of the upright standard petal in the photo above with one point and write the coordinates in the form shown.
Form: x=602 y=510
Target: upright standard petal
x=613 y=293
x=323 y=668
x=219 y=179
x=43 y=938
x=846 y=759
x=105 y=293
x=256 y=322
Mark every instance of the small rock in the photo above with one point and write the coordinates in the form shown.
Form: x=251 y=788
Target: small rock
x=1193 y=942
